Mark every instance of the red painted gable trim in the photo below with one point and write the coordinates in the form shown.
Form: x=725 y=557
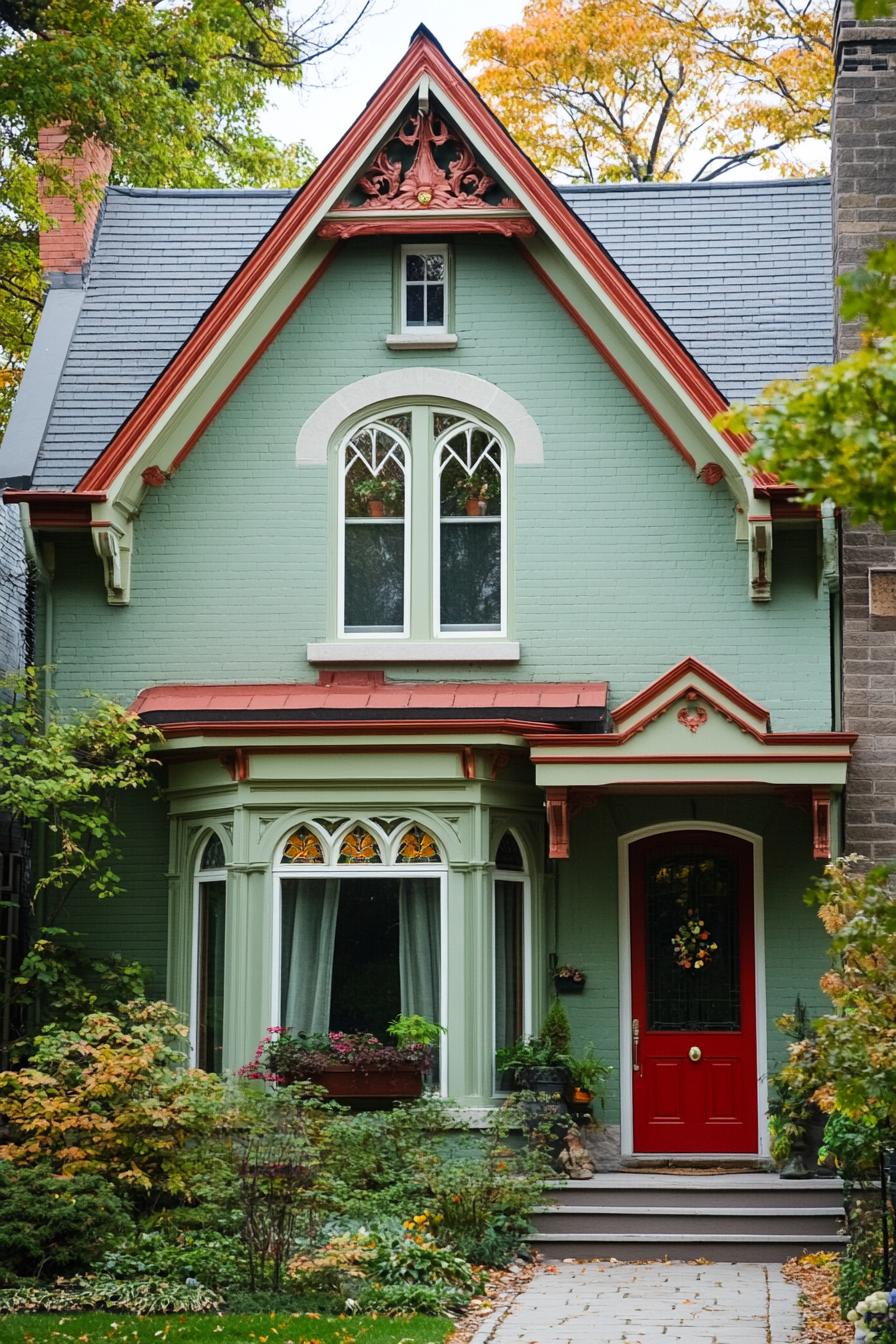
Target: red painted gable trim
x=693 y=667
x=605 y=354
x=423 y=57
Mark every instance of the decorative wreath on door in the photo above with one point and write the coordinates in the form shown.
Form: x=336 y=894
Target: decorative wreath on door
x=692 y=943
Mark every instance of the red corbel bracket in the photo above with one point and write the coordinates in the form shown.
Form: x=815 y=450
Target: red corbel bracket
x=821 y=823
x=557 y=806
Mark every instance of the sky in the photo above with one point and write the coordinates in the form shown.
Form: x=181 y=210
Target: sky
x=338 y=88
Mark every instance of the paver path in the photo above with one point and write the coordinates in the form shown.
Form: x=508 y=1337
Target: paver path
x=599 y=1302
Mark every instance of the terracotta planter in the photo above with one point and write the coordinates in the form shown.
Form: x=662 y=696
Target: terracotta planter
x=347 y=1083
x=472 y=506
x=376 y=508
x=581 y=1097
x=564 y=986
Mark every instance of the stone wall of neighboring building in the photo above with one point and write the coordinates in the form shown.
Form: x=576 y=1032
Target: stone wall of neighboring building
x=863 y=171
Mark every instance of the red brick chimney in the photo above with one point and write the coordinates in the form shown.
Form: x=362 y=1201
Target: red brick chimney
x=66 y=247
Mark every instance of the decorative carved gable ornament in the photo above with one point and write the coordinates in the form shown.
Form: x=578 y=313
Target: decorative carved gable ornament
x=443 y=175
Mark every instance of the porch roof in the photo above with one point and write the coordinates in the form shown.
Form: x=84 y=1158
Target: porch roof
x=365 y=697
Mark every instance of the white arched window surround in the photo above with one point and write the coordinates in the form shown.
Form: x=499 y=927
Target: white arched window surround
x=330 y=836
x=209 y=870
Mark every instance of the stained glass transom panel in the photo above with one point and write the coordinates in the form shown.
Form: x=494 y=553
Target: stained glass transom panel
x=359 y=846
x=213 y=853
x=692 y=903
x=418 y=846
x=303 y=846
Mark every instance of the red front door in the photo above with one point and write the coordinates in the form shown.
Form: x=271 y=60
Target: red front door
x=694 y=1071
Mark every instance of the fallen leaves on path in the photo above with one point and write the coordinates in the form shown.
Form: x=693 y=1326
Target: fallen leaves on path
x=503 y=1285
x=816 y=1278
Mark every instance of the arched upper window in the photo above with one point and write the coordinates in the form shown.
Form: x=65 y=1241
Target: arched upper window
x=469 y=572
x=375 y=463
x=422 y=506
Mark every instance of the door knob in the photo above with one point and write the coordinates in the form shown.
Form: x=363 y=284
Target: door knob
x=695 y=1053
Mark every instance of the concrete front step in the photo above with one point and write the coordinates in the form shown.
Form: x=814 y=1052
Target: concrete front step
x=684 y=1192
x=731 y=1249
x=646 y=1216
x=660 y=1220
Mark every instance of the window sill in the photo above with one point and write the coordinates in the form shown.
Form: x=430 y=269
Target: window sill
x=415 y=651
x=411 y=341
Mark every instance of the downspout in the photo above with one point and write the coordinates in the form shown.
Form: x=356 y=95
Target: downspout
x=831 y=561
x=43 y=569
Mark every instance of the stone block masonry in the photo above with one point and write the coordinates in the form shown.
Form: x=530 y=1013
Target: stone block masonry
x=863 y=171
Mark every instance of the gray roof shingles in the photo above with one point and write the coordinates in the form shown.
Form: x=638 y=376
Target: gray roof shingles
x=740 y=271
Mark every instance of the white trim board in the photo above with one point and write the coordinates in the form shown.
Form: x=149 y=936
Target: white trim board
x=625 y=986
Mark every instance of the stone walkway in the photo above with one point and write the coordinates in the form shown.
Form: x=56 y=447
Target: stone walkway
x=601 y=1302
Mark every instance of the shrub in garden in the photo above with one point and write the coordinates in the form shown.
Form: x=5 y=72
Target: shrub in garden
x=483 y=1198
x=212 y=1258
x=52 y=1224
x=383 y=1266
x=115 y=1097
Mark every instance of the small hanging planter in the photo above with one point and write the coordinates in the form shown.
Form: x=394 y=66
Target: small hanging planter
x=569 y=980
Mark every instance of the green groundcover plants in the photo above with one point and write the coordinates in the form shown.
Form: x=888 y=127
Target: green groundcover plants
x=267 y=1328
x=131 y=1183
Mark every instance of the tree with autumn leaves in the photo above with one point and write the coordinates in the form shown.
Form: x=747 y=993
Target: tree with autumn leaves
x=176 y=91
x=657 y=90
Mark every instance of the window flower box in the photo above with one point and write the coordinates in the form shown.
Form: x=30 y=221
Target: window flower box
x=350 y=1067
x=346 y=1082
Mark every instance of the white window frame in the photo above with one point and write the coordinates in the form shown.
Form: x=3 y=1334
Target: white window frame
x=434 y=871
x=383 y=633
x=521 y=878
x=468 y=631
x=200 y=877
x=424 y=250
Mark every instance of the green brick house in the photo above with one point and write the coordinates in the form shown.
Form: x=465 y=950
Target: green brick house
x=397 y=504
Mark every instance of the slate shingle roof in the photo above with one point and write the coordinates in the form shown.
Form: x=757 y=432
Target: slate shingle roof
x=740 y=271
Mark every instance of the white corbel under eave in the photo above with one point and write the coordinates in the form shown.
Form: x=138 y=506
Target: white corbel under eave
x=113 y=543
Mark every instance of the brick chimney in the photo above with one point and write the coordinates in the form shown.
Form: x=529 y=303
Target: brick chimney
x=65 y=249
x=863 y=173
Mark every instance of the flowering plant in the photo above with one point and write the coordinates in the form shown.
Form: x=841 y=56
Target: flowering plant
x=284 y=1056
x=692 y=944
x=875 y=1318
x=570 y=973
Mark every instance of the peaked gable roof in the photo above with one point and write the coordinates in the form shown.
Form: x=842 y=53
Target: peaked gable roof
x=715 y=259
x=303 y=215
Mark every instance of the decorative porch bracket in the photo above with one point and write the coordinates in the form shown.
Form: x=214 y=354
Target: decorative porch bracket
x=821 y=823
x=557 y=807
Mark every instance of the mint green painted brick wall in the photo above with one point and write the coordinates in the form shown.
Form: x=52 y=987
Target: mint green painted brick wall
x=623 y=562
x=134 y=924
x=587 y=931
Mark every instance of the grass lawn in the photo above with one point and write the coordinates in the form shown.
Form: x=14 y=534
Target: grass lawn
x=276 y=1328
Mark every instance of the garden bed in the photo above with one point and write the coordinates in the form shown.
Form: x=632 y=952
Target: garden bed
x=816 y=1278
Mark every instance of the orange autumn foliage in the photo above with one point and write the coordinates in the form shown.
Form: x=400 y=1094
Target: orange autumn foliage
x=656 y=90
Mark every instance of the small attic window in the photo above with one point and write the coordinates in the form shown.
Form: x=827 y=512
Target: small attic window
x=424 y=290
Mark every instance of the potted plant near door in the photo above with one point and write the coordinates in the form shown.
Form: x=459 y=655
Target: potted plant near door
x=586 y=1077
x=569 y=980
x=796 y=1122
x=352 y=1067
x=541 y=1063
